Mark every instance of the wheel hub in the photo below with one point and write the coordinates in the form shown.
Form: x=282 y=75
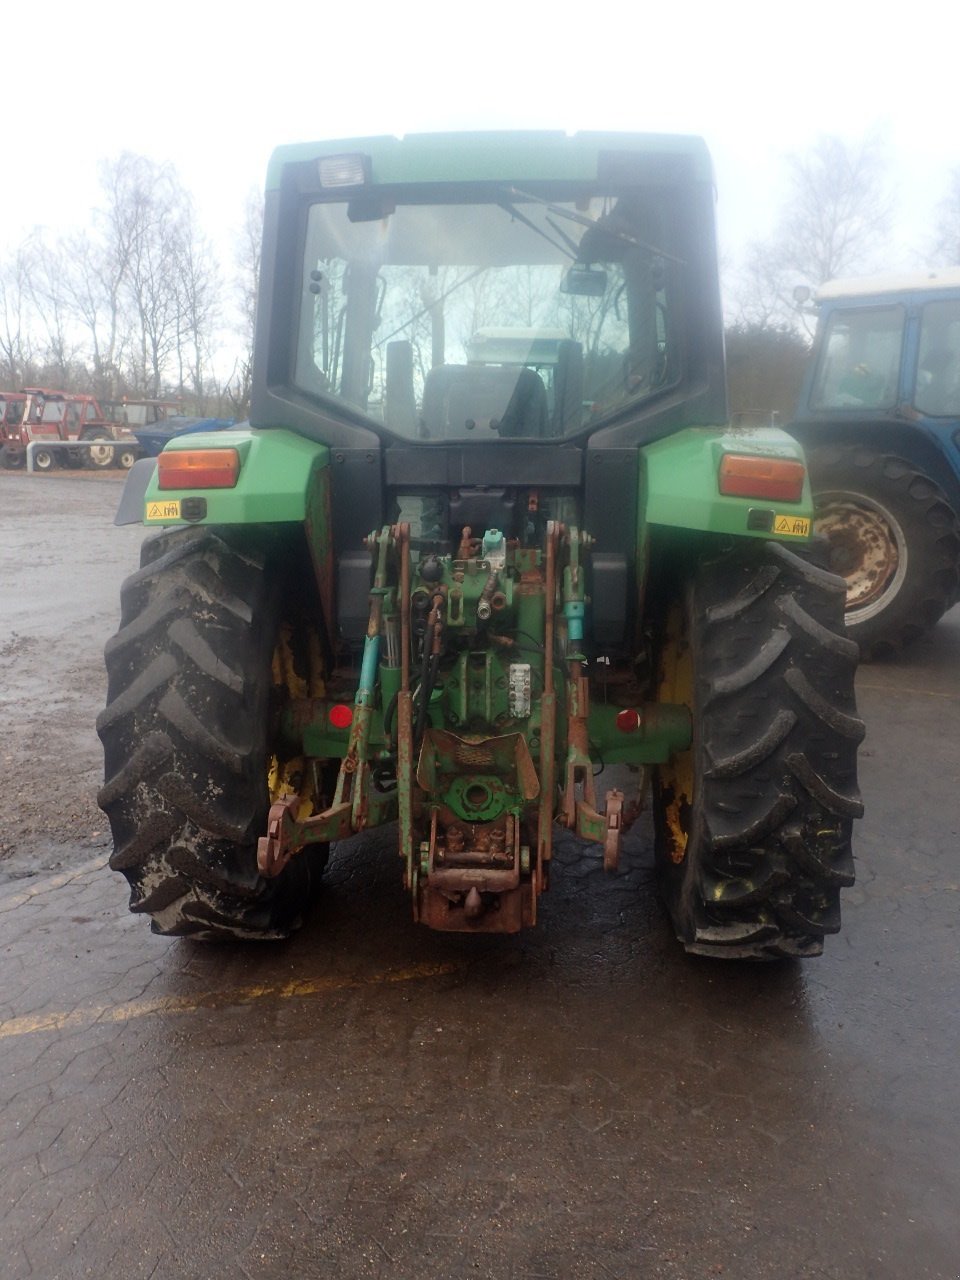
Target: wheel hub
x=100 y=455
x=867 y=548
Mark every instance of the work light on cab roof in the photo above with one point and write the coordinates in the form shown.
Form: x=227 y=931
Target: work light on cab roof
x=350 y=170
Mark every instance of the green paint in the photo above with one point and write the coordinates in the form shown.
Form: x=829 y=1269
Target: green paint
x=499 y=777
x=305 y=727
x=389 y=687
x=274 y=481
x=475 y=691
x=664 y=729
x=681 y=480
x=591 y=825
x=479 y=798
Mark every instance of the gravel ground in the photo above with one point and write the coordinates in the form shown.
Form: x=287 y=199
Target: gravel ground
x=62 y=561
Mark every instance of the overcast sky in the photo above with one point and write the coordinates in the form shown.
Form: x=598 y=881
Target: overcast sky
x=213 y=88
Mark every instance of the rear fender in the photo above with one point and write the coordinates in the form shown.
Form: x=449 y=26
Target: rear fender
x=283 y=479
x=679 y=485
x=277 y=471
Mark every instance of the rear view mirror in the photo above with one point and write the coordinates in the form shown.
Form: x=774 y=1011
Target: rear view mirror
x=586 y=282
x=370 y=206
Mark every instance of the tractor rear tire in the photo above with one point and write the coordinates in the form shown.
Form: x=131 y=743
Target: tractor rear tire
x=186 y=737
x=753 y=822
x=895 y=539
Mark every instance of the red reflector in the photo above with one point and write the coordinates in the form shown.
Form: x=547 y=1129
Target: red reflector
x=628 y=720
x=198 y=469
x=779 y=479
x=341 y=715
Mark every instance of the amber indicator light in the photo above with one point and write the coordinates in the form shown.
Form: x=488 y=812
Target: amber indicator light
x=198 y=469
x=778 y=479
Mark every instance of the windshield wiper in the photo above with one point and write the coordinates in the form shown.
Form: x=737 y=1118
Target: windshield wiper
x=514 y=212
x=565 y=238
x=583 y=221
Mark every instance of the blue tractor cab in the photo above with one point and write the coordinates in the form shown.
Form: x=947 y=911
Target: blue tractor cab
x=879 y=416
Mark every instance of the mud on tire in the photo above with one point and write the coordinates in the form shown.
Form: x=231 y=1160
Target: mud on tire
x=185 y=737
x=753 y=859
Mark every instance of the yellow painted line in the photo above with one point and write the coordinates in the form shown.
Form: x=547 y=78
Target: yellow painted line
x=892 y=688
x=43 y=884
x=101 y=1014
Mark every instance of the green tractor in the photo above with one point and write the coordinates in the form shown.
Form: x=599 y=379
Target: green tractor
x=485 y=535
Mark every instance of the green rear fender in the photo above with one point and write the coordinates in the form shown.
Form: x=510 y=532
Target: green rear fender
x=281 y=479
x=679 y=485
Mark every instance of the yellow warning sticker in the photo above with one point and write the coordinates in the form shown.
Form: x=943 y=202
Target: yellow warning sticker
x=169 y=510
x=791 y=526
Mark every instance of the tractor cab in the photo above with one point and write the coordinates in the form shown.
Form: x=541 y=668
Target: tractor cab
x=498 y=304
x=885 y=345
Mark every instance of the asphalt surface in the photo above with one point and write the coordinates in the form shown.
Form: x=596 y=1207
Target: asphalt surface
x=371 y=1099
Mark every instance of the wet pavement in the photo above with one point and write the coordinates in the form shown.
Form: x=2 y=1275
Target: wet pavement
x=371 y=1099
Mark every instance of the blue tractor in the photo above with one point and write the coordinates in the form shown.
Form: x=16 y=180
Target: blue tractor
x=879 y=417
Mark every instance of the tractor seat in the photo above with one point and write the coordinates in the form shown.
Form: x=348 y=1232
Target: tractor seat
x=469 y=401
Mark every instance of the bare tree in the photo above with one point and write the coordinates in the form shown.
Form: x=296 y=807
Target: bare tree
x=44 y=264
x=130 y=305
x=835 y=222
x=840 y=210
x=247 y=280
x=16 y=344
x=945 y=250
x=142 y=229
x=118 y=224
x=197 y=288
x=159 y=279
x=152 y=289
x=763 y=289
x=91 y=282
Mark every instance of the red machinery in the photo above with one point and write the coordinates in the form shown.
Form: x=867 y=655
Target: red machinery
x=40 y=415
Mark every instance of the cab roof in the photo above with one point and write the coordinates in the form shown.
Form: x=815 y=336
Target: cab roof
x=502 y=156
x=871 y=286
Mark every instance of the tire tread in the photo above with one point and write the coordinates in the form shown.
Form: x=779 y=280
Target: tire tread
x=775 y=743
x=184 y=735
